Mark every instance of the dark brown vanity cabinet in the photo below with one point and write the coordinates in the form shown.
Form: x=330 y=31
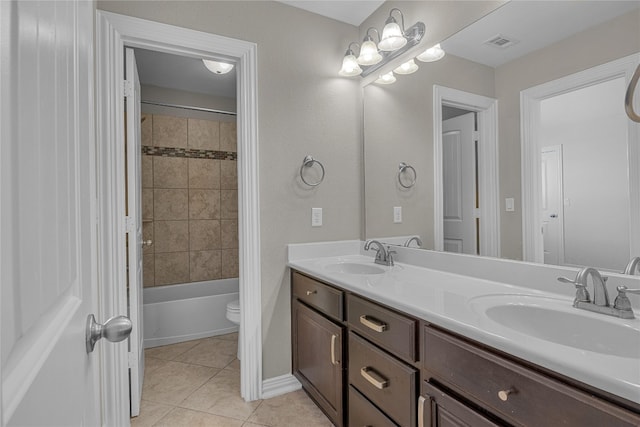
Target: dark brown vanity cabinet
x=317 y=338
x=461 y=376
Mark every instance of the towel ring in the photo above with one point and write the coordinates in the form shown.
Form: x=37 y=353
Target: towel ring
x=308 y=161
x=628 y=99
x=403 y=167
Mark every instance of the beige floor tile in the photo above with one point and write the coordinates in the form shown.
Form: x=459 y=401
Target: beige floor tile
x=181 y=417
x=228 y=337
x=151 y=364
x=254 y=425
x=211 y=352
x=291 y=409
x=234 y=366
x=170 y=352
x=173 y=382
x=221 y=396
x=150 y=413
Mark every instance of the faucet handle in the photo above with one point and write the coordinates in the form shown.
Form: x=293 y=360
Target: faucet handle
x=622 y=300
x=582 y=294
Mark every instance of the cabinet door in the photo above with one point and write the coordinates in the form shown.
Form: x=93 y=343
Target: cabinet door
x=438 y=409
x=317 y=359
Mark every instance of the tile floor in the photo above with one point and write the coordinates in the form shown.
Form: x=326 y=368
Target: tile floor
x=197 y=383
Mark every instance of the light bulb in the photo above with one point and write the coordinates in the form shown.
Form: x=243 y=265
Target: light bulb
x=407 y=68
x=432 y=54
x=386 y=79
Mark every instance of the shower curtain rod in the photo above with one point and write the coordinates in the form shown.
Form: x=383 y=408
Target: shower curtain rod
x=186 y=107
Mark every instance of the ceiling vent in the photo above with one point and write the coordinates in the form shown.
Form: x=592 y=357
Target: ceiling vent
x=501 y=41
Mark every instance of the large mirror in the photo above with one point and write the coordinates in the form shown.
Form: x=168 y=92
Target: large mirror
x=517 y=139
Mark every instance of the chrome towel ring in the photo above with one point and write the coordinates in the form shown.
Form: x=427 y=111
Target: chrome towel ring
x=628 y=99
x=401 y=169
x=308 y=162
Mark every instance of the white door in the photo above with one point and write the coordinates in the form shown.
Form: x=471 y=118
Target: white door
x=48 y=216
x=552 y=205
x=459 y=184
x=134 y=229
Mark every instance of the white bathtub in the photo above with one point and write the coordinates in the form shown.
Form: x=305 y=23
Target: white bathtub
x=189 y=311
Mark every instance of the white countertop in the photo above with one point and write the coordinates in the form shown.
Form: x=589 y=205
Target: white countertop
x=450 y=300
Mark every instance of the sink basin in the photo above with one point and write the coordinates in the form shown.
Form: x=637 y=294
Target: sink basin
x=354 y=268
x=558 y=321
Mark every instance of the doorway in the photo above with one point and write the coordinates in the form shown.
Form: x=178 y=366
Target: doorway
x=487 y=237
x=113 y=33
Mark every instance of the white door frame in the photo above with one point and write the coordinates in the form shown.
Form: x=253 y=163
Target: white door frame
x=113 y=32
x=487 y=109
x=530 y=99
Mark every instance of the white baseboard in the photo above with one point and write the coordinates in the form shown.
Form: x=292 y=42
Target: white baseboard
x=273 y=387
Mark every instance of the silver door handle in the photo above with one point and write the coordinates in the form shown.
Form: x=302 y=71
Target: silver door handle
x=115 y=329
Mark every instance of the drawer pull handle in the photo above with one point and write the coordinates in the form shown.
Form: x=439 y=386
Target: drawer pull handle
x=504 y=394
x=311 y=292
x=334 y=360
x=370 y=375
x=421 y=401
x=373 y=323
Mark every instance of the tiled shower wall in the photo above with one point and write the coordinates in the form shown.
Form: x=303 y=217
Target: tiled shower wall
x=189 y=199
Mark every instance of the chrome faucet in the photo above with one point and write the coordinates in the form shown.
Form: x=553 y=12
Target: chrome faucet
x=411 y=239
x=383 y=256
x=600 y=304
x=632 y=266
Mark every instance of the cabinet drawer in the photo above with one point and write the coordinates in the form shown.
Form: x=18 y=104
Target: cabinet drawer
x=393 y=331
x=317 y=294
x=364 y=413
x=436 y=409
x=515 y=393
x=389 y=383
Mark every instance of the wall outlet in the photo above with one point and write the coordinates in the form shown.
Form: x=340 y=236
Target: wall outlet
x=397 y=214
x=316 y=217
x=509 y=204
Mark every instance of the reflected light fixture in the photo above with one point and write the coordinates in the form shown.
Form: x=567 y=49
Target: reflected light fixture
x=369 y=54
x=408 y=67
x=392 y=35
x=432 y=54
x=217 y=67
x=386 y=79
x=350 y=65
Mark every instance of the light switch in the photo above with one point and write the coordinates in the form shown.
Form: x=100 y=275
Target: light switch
x=316 y=217
x=509 y=204
x=397 y=214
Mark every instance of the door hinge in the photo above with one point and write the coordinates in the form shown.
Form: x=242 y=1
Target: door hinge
x=476 y=136
x=476 y=213
x=127 y=88
x=129 y=224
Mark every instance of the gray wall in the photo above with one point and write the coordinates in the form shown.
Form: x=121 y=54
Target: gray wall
x=612 y=40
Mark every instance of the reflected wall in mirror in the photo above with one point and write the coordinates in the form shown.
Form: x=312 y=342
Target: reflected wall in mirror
x=568 y=38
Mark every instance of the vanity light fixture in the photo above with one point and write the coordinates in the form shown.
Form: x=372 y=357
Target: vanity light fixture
x=432 y=54
x=350 y=65
x=386 y=79
x=369 y=54
x=217 y=67
x=394 y=42
x=392 y=35
x=408 y=67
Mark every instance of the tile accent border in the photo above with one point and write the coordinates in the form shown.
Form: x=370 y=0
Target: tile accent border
x=189 y=153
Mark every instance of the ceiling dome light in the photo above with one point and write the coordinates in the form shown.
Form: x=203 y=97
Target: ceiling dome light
x=386 y=79
x=217 y=67
x=350 y=65
x=432 y=54
x=407 y=68
x=392 y=35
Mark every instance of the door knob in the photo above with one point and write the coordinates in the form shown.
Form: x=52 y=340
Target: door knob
x=553 y=215
x=115 y=329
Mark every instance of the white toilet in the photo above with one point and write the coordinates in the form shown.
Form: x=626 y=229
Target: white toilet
x=233 y=315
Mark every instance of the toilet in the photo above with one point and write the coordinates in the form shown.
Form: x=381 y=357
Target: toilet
x=233 y=315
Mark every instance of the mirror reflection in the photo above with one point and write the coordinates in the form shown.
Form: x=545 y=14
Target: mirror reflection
x=552 y=180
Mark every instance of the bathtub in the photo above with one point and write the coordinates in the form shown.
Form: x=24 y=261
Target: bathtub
x=189 y=311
